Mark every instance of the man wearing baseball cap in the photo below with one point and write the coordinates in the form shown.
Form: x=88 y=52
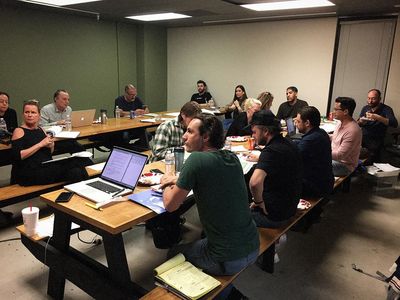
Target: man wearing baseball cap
x=277 y=179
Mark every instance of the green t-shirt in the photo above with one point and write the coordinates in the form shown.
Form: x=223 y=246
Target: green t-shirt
x=217 y=180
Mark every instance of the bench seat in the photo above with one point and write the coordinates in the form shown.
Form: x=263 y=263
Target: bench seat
x=268 y=237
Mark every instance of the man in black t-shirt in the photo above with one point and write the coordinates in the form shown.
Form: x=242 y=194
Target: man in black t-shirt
x=277 y=179
x=202 y=96
x=292 y=106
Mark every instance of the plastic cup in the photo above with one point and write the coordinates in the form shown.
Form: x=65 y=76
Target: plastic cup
x=30 y=216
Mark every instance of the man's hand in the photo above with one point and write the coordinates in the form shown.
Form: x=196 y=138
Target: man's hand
x=167 y=180
x=139 y=111
x=260 y=205
x=61 y=122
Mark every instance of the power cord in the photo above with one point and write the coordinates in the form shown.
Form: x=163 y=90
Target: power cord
x=9 y=240
x=94 y=241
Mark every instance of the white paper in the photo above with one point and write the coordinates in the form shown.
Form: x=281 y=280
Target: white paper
x=45 y=227
x=97 y=167
x=239 y=148
x=68 y=134
x=207 y=111
x=386 y=167
x=172 y=114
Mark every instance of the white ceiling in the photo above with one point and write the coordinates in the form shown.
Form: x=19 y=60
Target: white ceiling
x=207 y=12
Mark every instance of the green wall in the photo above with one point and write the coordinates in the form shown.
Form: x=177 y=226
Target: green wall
x=42 y=51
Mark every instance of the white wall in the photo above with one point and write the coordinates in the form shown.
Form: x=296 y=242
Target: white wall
x=268 y=55
x=393 y=88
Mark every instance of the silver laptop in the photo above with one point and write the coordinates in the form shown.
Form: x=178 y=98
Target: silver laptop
x=81 y=118
x=119 y=176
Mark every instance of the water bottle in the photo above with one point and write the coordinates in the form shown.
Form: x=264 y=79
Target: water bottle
x=169 y=163
x=117 y=112
x=3 y=125
x=68 y=124
x=179 y=153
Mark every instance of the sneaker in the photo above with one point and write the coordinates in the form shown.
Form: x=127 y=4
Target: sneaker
x=281 y=242
x=276 y=258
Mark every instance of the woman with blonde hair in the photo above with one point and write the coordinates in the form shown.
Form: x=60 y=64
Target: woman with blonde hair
x=240 y=125
x=266 y=99
x=31 y=146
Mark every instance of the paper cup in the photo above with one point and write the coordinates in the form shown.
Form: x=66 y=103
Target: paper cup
x=31 y=219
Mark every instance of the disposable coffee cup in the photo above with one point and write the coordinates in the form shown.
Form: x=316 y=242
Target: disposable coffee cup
x=30 y=216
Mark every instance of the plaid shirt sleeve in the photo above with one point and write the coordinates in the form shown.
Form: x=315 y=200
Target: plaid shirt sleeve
x=168 y=134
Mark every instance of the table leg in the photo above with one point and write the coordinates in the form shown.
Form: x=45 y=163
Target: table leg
x=60 y=240
x=116 y=258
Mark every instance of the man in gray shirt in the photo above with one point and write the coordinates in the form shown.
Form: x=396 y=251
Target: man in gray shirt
x=55 y=113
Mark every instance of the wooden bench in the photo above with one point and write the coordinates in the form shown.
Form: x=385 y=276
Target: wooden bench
x=16 y=193
x=346 y=180
x=268 y=237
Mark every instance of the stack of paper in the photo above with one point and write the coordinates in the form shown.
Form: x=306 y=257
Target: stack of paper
x=182 y=278
x=383 y=170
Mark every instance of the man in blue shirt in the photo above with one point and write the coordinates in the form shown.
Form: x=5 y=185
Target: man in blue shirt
x=374 y=120
x=130 y=101
x=316 y=152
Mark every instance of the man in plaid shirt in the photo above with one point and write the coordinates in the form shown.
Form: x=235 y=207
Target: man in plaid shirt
x=169 y=134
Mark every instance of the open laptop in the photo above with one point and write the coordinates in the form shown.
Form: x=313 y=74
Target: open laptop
x=119 y=176
x=81 y=118
x=291 y=128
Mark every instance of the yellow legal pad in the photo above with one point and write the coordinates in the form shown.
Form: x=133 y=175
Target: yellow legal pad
x=182 y=278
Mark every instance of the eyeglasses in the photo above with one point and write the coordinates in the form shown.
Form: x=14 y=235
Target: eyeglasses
x=3 y=101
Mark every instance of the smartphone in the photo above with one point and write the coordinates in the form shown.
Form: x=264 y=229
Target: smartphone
x=156 y=171
x=64 y=197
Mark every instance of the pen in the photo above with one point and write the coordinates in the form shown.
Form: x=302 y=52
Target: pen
x=93 y=206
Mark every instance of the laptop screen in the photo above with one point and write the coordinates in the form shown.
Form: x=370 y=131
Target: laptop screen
x=290 y=126
x=124 y=167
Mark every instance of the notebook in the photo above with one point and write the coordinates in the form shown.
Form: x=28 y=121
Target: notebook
x=81 y=118
x=119 y=176
x=291 y=128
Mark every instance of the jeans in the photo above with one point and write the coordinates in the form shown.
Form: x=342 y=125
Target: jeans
x=340 y=169
x=262 y=220
x=197 y=253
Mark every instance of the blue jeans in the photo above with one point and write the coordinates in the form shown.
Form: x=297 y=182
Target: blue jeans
x=340 y=169
x=197 y=253
x=262 y=220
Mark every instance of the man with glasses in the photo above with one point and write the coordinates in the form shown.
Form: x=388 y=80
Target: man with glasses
x=130 y=101
x=346 y=139
x=375 y=118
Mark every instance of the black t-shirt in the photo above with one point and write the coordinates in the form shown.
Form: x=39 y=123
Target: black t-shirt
x=10 y=116
x=128 y=105
x=286 y=110
x=281 y=160
x=203 y=98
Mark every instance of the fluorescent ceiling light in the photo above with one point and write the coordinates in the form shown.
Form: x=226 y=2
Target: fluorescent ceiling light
x=59 y=2
x=158 y=17
x=287 y=5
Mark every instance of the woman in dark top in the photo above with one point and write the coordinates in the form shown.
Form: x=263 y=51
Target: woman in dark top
x=7 y=113
x=31 y=146
x=236 y=106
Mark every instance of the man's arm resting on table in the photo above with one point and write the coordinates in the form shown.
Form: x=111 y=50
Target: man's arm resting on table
x=173 y=197
x=256 y=187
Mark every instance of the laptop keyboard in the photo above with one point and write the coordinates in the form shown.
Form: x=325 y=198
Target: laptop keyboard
x=107 y=188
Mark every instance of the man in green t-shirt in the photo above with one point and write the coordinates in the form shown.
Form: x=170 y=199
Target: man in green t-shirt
x=217 y=181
